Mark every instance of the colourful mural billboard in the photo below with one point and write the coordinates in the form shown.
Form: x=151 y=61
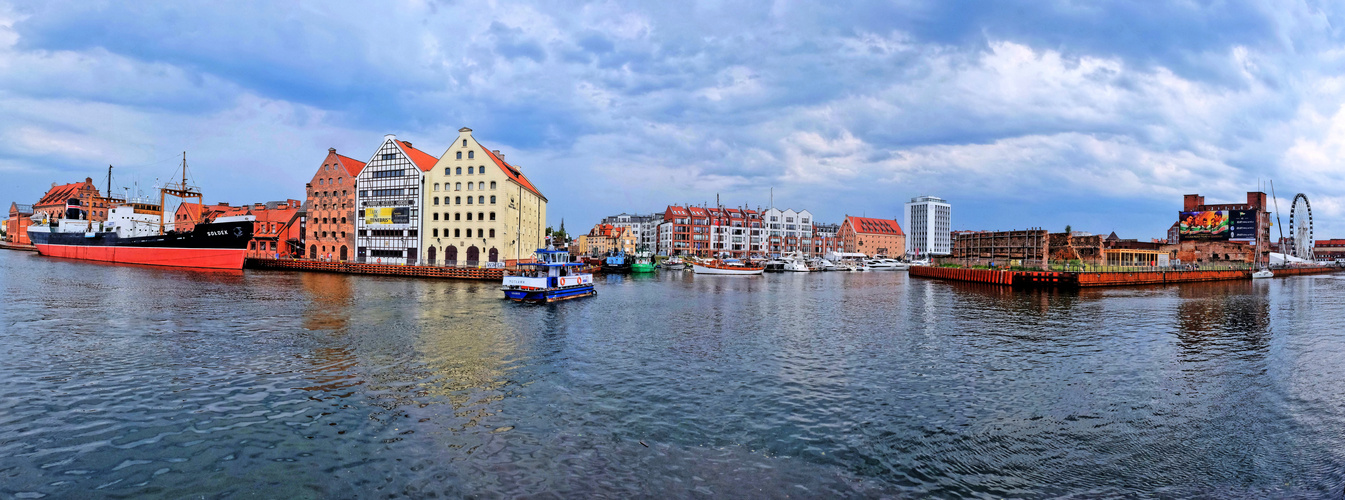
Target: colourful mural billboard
x=1209 y=225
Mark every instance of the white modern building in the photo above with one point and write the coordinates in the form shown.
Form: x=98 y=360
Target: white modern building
x=929 y=223
x=643 y=227
x=787 y=231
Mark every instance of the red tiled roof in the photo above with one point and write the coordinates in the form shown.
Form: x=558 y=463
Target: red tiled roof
x=422 y=160
x=60 y=194
x=874 y=226
x=512 y=172
x=1330 y=243
x=697 y=210
x=353 y=166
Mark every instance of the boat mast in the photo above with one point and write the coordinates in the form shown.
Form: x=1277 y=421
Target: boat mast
x=182 y=191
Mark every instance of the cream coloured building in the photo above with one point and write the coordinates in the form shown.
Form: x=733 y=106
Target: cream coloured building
x=480 y=209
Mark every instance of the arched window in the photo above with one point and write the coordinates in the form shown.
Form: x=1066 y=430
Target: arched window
x=457 y=233
x=481 y=200
x=492 y=184
x=436 y=200
x=448 y=170
x=457 y=215
x=436 y=233
x=460 y=154
x=312 y=251
x=492 y=233
x=343 y=220
x=492 y=216
x=492 y=199
x=469 y=186
x=457 y=187
x=457 y=200
x=320 y=182
x=459 y=170
x=436 y=186
x=481 y=186
x=469 y=200
x=464 y=143
x=480 y=216
x=469 y=216
x=471 y=154
x=339 y=182
x=480 y=233
x=436 y=216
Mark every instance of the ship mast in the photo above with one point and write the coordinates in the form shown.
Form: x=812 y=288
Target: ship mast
x=183 y=191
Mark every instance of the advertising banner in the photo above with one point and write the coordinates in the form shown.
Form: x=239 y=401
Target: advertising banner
x=380 y=216
x=1243 y=224
x=1205 y=226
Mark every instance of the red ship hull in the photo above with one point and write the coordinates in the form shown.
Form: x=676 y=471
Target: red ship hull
x=205 y=258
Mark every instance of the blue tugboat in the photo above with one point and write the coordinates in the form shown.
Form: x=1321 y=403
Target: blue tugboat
x=616 y=263
x=551 y=279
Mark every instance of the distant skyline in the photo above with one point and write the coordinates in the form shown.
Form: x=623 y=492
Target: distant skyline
x=1097 y=115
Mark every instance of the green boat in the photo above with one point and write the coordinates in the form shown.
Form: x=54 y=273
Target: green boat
x=644 y=263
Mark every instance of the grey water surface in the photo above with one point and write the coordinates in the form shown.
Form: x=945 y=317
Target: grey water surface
x=121 y=381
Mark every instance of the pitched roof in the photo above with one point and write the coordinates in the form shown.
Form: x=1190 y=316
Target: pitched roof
x=423 y=161
x=61 y=193
x=353 y=166
x=874 y=226
x=512 y=172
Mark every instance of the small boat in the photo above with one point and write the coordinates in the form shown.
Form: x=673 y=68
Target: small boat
x=1263 y=274
x=726 y=267
x=774 y=266
x=884 y=264
x=552 y=278
x=616 y=263
x=820 y=264
x=644 y=263
x=674 y=264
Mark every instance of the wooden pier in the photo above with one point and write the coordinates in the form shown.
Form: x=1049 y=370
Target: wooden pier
x=448 y=272
x=22 y=248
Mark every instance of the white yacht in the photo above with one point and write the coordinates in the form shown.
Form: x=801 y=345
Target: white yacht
x=883 y=264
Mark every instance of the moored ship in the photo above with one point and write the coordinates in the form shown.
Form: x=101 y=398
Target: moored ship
x=136 y=233
x=551 y=279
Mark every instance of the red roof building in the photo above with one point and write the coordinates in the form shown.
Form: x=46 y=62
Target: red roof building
x=78 y=194
x=329 y=224
x=872 y=237
x=16 y=227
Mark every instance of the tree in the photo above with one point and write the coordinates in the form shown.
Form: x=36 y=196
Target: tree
x=1068 y=229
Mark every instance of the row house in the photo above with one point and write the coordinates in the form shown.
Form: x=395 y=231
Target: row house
x=644 y=228
x=787 y=231
x=329 y=221
x=480 y=208
x=604 y=238
x=711 y=232
x=387 y=204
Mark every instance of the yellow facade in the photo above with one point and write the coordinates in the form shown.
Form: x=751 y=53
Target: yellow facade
x=474 y=205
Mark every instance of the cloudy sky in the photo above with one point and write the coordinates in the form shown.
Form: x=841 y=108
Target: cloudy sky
x=1021 y=113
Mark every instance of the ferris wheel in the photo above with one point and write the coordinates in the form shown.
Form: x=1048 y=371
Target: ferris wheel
x=1300 y=228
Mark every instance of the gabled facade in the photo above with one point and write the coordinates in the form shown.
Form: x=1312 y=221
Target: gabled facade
x=388 y=220
x=480 y=209
x=16 y=227
x=872 y=237
x=78 y=194
x=277 y=232
x=330 y=217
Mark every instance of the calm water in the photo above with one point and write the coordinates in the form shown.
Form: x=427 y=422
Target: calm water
x=124 y=381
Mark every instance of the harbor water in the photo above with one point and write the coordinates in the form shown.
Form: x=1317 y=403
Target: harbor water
x=122 y=381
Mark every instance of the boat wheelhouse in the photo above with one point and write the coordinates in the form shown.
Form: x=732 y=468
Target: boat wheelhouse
x=552 y=278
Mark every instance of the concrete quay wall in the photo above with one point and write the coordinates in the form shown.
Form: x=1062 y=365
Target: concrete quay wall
x=465 y=273
x=1075 y=279
x=11 y=246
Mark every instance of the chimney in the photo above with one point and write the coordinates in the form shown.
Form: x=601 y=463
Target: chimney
x=498 y=154
x=331 y=150
x=408 y=144
x=223 y=203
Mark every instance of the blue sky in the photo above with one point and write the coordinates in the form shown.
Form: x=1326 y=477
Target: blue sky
x=1039 y=113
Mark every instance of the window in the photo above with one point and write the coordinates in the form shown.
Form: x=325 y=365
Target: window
x=457 y=187
x=320 y=182
x=471 y=154
x=480 y=233
x=457 y=200
x=492 y=185
x=459 y=170
x=469 y=216
x=481 y=185
x=436 y=200
x=457 y=215
x=469 y=186
x=364 y=192
x=389 y=156
x=464 y=144
x=436 y=186
x=460 y=154
x=492 y=233
x=469 y=170
x=469 y=200
x=436 y=216
x=492 y=198
x=385 y=253
x=492 y=216
x=339 y=182
x=436 y=233
x=457 y=233
x=480 y=216
x=386 y=192
x=481 y=200
x=383 y=174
